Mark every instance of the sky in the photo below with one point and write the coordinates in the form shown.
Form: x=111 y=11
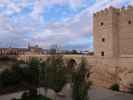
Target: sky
x=66 y=23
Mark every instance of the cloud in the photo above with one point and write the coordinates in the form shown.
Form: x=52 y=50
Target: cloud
x=102 y=4
x=18 y=27
x=76 y=32
x=73 y=31
x=9 y=35
x=40 y=6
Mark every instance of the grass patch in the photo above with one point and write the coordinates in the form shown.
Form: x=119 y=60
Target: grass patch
x=115 y=87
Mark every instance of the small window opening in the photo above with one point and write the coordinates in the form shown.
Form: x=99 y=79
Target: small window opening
x=129 y=22
x=103 y=39
x=102 y=23
x=102 y=53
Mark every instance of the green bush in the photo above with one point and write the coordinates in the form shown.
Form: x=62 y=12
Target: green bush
x=11 y=77
x=131 y=88
x=8 y=78
x=115 y=87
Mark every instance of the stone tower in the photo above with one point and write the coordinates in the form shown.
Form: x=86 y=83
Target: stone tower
x=113 y=45
x=105 y=33
x=113 y=32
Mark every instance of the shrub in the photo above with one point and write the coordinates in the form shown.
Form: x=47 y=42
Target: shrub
x=8 y=78
x=11 y=77
x=131 y=88
x=115 y=87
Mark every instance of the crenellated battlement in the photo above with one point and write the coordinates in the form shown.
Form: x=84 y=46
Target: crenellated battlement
x=106 y=11
x=125 y=11
x=114 y=10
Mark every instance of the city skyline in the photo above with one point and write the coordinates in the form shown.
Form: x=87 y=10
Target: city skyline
x=67 y=23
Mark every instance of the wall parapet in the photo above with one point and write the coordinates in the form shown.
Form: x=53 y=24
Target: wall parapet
x=118 y=11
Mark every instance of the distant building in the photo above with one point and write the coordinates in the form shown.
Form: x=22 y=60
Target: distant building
x=21 y=51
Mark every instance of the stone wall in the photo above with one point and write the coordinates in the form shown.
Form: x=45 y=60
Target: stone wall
x=107 y=72
x=104 y=72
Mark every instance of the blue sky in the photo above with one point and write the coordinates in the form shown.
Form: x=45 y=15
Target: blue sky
x=67 y=23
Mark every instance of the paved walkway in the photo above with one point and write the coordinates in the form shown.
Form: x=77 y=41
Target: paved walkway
x=94 y=94
x=105 y=94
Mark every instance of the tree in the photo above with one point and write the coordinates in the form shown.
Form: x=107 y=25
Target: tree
x=7 y=78
x=31 y=75
x=11 y=77
x=35 y=68
x=71 y=64
x=17 y=72
x=80 y=85
x=43 y=72
x=56 y=77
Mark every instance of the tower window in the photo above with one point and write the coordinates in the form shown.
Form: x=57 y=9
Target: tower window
x=103 y=39
x=129 y=22
x=102 y=53
x=101 y=23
